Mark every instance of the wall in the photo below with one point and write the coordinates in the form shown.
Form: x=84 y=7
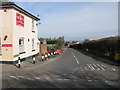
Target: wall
x=0 y=29
x=6 y=28
x=26 y=33
x=43 y=48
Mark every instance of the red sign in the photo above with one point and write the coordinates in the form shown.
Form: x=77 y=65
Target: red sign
x=6 y=45
x=19 y=19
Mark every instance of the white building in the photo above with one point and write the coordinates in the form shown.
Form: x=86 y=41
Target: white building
x=18 y=33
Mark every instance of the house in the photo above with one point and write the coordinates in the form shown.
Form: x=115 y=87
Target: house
x=18 y=33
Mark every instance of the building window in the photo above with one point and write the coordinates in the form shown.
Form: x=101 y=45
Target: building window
x=33 y=26
x=0 y=47
x=21 y=45
x=33 y=42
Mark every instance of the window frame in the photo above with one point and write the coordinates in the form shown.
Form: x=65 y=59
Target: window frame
x=21 y=45
x=33 y=44
x=33 y=26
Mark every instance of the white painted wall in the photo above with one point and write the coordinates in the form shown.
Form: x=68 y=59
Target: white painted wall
x=14 y=32
x=26 y=33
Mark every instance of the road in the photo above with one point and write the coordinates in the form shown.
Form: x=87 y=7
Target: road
x=71 y=69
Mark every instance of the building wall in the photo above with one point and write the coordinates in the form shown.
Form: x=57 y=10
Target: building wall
x=26 y=33
x=6 y=28
x=0 y=33
x=13 y=32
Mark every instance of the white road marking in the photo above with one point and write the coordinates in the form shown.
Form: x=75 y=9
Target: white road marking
x=30 y=78
x=87 y=77
x=92 y=67
x=86 y=68
x=89 y=65
x=12 y=76
x=60 y=79
x=113 y=69
x=21 y=76
x=37 y=78
x=77 y=62
x=81 y=68
x=89 y=80
x=48 y=78
x=65 y=79
x=101 y=67
x=75 y=58
x=96 y=67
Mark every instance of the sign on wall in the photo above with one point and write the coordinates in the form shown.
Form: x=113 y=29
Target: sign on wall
x=19 y=19
x=6 y=45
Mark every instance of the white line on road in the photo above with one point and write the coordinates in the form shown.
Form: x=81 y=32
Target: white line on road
x=81 y=68
x=113 y=69
x=86 y=68
x=104 y=66
x=12 y=76
x=29 y=78
x=101 y=67
x=96 y=67
x=65 y=79
x=75 y=58
x=37 y=78
x=21 y=76
x=90 y=66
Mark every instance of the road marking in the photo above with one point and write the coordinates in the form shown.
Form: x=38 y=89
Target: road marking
x=30 y=78
x=92 y=67
x=96 y=67
x=89 y=80
x=101 y=67
x=113 y=69
x=86 y=68
x=21 y=76
x=65 y=79
x=12 y=76
x=60 y=79
x=48 y=78
x=89 y=65
x=75 y=58
x=81 y=68
x=37 y=78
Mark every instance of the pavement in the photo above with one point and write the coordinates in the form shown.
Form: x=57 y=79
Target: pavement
x=71 y=69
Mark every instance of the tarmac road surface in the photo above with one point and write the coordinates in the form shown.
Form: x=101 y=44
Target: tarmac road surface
x=71 y=69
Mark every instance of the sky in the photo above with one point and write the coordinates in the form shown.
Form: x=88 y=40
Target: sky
x=75 y=20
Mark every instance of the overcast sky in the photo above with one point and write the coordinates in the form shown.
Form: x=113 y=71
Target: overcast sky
x=75 y=20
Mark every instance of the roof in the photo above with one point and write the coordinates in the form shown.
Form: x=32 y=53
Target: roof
x=9 y=4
